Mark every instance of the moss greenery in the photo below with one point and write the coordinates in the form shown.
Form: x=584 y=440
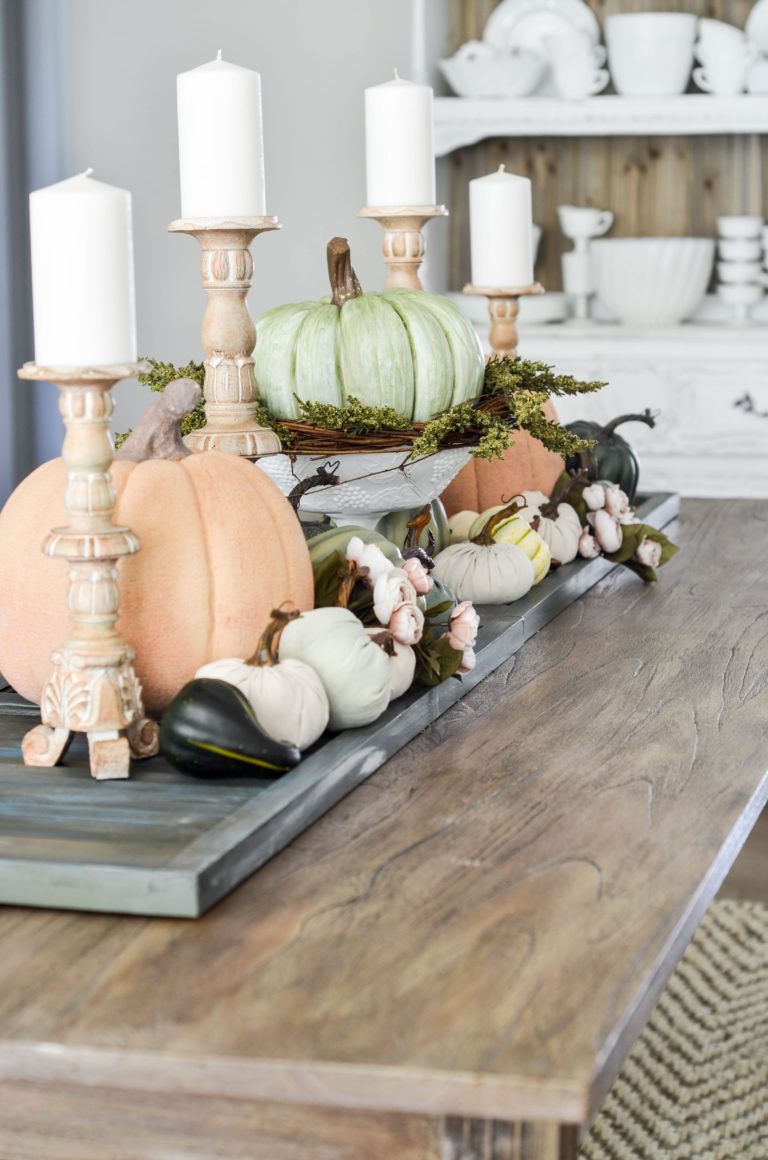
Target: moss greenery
x=513 y=393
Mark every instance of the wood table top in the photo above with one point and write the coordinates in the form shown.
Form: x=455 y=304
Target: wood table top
x=481 y=928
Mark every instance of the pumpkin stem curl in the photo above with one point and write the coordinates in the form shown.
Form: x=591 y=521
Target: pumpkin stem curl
x=343 y=279
x=385 y=641
x=550 y=509
x=646 y=417
x=485 y=538
x=268 y=647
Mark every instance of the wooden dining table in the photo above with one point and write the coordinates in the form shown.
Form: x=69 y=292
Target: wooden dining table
x=455 y=961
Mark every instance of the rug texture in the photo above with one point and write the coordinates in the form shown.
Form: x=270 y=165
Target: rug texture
x=695 y=1086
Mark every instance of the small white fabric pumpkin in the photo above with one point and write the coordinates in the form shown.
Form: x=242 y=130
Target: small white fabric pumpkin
x=515 y=530
x=561 y=533
x=402 y=661
x=482 y=570
x=459 y=525
x=353 y=669
x=288 y=699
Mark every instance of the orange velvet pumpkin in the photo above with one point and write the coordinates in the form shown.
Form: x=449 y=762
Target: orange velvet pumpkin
x=220 y=548
x=527 y=466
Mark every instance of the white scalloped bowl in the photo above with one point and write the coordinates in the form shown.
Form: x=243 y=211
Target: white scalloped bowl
x=372 y=484
x=652 y=281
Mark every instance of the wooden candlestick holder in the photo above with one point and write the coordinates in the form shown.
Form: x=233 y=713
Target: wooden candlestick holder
x=503 y=309
x=93 y=688
x=229 y=337
x=403 y=246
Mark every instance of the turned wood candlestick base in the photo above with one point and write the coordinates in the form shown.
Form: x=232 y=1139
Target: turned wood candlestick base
x=93 y=688
x=403 y=246
x=503 y=309
x=229 y=337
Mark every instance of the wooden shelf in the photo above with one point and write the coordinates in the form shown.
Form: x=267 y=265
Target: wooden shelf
x=464 y=121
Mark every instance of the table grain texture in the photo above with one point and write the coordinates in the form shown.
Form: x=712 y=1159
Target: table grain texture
x=455 y=961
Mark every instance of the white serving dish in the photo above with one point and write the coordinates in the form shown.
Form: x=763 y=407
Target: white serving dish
x=527 y=23
x=372 y=484
x=478 y=70
x=652 y=281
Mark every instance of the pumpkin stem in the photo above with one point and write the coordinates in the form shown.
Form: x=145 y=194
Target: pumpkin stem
x=417 y=525
x=268 y=647
x=348 y=581
x=384 y=640
x=344 y=283
x=157 y=435
x=646 y=417
x=550 y=508
x=485 y=538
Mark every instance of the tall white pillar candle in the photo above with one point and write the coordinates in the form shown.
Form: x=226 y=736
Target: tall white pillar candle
x=500 y=226
x=221 y=143
x=399 y=152
x=82 y=274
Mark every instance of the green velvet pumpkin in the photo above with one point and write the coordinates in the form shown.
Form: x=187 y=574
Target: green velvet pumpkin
x=404 y=349
x=611 y=458
x=395 y=527
x=336 y=540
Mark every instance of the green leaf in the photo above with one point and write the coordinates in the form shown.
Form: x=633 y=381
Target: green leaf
x=436 y=661
x=328 y=576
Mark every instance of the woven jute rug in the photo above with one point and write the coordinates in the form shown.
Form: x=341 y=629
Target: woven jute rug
x=696 y=1084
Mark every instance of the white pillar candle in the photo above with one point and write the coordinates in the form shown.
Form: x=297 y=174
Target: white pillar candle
x=399 y=153
x=221 y=144
x=82 y=274
x=500 y=225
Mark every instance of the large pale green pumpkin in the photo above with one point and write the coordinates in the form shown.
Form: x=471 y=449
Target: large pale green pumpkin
x=405 y=349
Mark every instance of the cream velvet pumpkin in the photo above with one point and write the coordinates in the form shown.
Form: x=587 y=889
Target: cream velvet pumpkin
x=220 y=548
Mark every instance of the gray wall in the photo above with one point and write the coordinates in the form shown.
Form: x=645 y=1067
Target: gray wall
x=315 y=58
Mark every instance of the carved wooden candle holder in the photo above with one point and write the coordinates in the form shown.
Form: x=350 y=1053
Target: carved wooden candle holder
x=503 y=309
x=93 y=688
x=403 y=246
x=229 y=337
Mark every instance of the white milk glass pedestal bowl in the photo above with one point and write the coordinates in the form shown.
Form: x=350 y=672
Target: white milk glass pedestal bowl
x=652 y=281
x=371 y=483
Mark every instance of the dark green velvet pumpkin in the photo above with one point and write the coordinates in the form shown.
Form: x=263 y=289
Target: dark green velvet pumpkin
x=611 y=458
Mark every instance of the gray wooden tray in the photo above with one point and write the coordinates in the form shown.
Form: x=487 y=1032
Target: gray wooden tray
x=165 y=844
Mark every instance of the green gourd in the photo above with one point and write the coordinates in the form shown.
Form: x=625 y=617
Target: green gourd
x=395 y=527
x=611 y=458
x=209 y=730
x=405 y=349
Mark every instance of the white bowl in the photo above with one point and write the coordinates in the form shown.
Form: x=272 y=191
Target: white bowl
x=372 y=484
x=739 y=273
x=745 y=295
x=477 y=70
x=740 y=249
x=652 y=281
x=740 y=225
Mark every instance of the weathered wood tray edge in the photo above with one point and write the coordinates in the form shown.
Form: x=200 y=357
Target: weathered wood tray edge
x=218 y=861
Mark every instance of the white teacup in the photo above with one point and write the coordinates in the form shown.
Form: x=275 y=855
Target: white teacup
x=650 y=53
x=739 y=272
x=578 y=79
x=740 y=249
x=740 y=225
x=717 y=34
x=724 y=76
x=581 y=221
